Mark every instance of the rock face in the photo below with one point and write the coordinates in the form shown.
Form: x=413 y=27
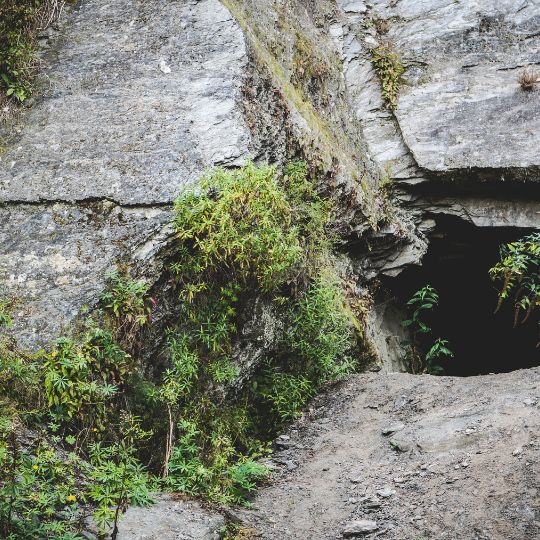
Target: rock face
x=140 y=97
x=461 y=110
x=170 y=519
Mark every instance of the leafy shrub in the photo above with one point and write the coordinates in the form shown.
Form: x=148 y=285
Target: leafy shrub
x=389 y=70
x=79 y=379
x=318 y=343
x=518 y=275
x=438 y=350
x=130 y=307
x=248 y=228
x=321 y=331
x=245 y=476
x=205 y=460
x=116 y=477
x=287 y=393
x=39 y=492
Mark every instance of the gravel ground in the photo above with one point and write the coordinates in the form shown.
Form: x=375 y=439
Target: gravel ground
x=403 y=457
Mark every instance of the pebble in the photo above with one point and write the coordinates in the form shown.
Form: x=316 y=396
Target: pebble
x=517 y=451
x=372 y=502
x=386 y=492
x=393 y=428
x=359 y=526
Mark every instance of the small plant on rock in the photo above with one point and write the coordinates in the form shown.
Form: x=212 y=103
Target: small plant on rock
x=518 y=276
x=527 y=79
x=389 y=70
x=129 y=304
x=422 y=302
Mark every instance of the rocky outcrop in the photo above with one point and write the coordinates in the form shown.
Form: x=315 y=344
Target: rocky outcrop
x=139 y=98
x=462 y=123
x=171 y=518
x=461 y=112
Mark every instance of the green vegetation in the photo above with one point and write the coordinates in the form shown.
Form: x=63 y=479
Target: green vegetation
x=247 y=236
x=518 y=276
x=422 y=303
x=20 y=21
x=318 y=343
x=61 y=443
x=389 y=70
x=5 y=313
x=39 y=495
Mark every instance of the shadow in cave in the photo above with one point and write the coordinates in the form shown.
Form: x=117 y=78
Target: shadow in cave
x=457 y=264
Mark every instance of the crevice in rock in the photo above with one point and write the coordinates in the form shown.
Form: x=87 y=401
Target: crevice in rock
x=87 y=201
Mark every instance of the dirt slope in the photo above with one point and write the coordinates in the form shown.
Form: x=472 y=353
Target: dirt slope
x=462 y=464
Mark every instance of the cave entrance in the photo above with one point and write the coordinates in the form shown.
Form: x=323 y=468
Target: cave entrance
x=457 y=264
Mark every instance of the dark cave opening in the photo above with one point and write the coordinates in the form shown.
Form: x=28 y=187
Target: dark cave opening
x=457 y=264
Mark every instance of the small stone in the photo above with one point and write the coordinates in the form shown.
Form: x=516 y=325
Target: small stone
x=356 y=480
x=399 y=480
x=385 y=493
x=372 y=502
x=529 y=402
x=164 y=68
x=359 y=527
x=464 y=464
x=518 y=451
x=400 y=446
x=393 y=428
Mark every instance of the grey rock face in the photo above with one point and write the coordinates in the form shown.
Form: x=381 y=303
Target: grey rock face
x=461 y=109
x=170 y=519
x=54 y=258
x=141 y=97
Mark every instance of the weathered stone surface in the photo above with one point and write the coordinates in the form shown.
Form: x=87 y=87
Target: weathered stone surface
x=461 y=114
x=170 y=519
x=54 y=258
x=359 y=527
x=386 y=335
x=461 y=109
x=143 y=96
